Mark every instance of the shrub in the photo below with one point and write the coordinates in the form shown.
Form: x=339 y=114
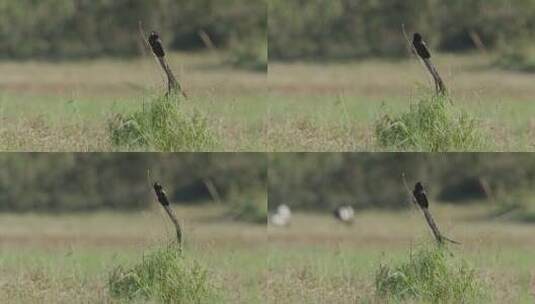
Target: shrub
x=165 y=276
x=163 y=125
x=432 y=124
x=431 y=275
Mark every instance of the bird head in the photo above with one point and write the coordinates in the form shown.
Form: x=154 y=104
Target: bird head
x=418 y=187
x=417 y=37
x=154 y=35
x=157 y=186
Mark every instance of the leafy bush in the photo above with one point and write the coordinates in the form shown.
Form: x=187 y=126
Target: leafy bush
x=165 y=276
x=431 y=275
x=162 y=125
x=432 y=124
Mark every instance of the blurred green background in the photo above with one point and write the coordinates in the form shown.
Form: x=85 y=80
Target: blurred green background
x=363 y=28
x=61 y=29
x=374 y=180
x=85 y=181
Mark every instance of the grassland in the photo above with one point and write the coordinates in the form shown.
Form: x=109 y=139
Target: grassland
x=333 y=106
x=312 y=106
x=318 y=260
x=66 y=106
x=67 y=258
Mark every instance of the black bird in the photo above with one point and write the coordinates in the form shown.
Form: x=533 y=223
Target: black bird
x=156 y=44
x=420 y=196
x=420 y=46
x=162 y=197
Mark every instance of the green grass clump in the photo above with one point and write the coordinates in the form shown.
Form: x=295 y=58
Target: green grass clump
x=433 y=124
x=165 y=276
x=163 y=125
x=432 y=275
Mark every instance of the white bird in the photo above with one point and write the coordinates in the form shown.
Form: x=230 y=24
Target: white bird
x=282 y=216
x=345 y=214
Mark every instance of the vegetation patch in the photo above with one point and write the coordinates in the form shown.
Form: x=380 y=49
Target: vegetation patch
x=250 y=55
x=516 y=205
x=517 y=57
x=432 y=275
x=433 y=124
x=165 y=276
x=163 y=125
x=249 y=210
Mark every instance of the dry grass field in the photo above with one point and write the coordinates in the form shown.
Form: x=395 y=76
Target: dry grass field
x=333 y=106
x=67 y=258
x=318 y=260
x=66 y=106
x=311 y=106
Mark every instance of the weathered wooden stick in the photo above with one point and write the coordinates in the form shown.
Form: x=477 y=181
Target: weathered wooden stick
x=440 y=87
x=162 y=198
x=478 y=42
x=432 y=225
x=213 y=190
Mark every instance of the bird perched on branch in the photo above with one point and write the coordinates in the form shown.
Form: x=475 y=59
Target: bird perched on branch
x=160 y=193
x=421 y=199
x=157 y=48
x=156 y=44
x=162 y=198
x=420 y=196
x=420 y=46
x=421 y=49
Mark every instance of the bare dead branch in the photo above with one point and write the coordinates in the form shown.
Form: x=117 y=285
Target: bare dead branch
x=213 y=190
x=478 y=42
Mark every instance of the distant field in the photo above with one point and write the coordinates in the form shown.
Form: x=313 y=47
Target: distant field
x=306 y=106
x=66 y=258
x=314 y=106
x=317 y=260
x=332 y=106
x=65 y=106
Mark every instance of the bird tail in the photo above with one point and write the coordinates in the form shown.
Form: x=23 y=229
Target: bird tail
x=172 y=84
x=439 y=83
x=434 y=228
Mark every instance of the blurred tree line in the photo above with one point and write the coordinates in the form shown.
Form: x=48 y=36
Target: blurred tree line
x=86 y=181
x=374 y=180
x=85 y=28
x=362 y=28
